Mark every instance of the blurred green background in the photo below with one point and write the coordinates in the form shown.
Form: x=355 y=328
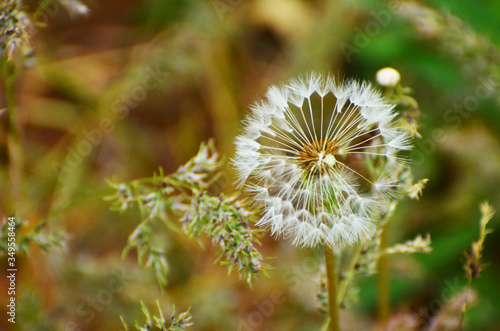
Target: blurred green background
x=166 y=75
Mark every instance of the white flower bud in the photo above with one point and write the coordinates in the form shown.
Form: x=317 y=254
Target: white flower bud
x=388 y=77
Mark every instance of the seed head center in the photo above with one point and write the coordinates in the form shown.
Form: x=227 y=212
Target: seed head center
x=318 y=155
x=330 y=160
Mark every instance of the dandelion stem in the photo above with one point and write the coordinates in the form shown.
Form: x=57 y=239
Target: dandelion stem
x=383 y=278
x=326 y=325
x=332 y=289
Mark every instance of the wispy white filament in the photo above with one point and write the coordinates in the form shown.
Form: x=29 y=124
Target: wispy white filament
x=303 y=156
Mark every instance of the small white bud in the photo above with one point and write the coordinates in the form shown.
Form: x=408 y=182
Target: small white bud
x=388 y=77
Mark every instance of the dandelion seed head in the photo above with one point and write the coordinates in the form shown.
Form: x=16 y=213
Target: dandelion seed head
x=303 y=157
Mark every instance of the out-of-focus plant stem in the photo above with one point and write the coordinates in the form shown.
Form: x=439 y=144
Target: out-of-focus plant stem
x=98 y=107
x=332 y=289
x=349 y=270
x=222 y=96
x=383 y=278
x=319 y=49
x=14 y=141
x=41 y=8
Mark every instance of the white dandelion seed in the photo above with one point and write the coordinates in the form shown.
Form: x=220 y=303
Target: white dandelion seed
x=302 y=156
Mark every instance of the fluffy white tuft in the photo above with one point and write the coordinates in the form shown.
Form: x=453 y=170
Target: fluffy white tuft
x=303 y=158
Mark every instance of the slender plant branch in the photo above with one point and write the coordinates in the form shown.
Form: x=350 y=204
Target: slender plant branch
x=383 y=278
x=14 y=140
x=326 y=325
x=349 y=271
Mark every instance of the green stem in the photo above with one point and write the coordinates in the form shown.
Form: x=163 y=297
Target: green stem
x=349 y=270
x=14 y=141
x=332 y=289
x=383 y=278
x=41 y=8
x=326 y=325
x=464 y=310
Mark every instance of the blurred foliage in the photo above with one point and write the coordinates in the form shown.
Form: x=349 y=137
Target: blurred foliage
x=137 y=85
x=27 y=235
